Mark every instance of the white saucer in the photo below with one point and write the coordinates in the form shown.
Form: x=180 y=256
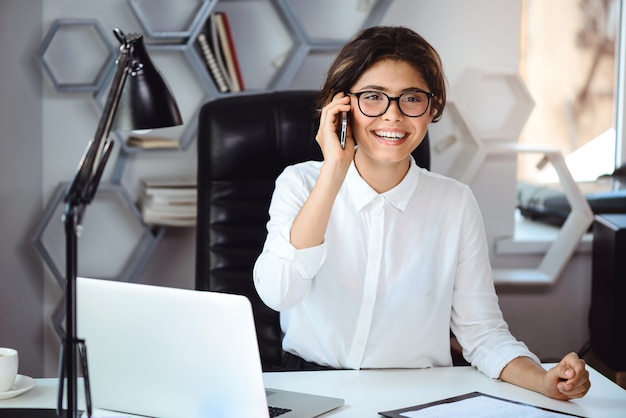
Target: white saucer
x=21 y=385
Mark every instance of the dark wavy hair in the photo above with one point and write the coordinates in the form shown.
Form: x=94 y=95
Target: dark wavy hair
x=385 y=42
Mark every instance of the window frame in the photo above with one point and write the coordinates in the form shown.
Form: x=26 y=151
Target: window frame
x=620 y=91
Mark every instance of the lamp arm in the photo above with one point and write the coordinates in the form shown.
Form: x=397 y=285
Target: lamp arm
x=85 y=183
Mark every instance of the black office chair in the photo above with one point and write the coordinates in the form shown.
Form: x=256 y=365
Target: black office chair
x=244 y=143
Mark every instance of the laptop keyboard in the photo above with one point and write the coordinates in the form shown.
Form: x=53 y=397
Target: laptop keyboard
x=276 y=411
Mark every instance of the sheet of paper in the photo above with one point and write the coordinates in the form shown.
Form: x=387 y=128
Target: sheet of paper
x=482 y=407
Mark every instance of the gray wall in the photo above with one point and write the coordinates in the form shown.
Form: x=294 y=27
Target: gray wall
x=21 y=272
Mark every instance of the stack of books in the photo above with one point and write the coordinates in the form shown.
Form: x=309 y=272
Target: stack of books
x=171 y=202
x=152 y=142
x=216 y=46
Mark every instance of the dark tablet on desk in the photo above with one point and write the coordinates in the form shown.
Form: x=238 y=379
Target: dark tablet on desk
x=475 y=404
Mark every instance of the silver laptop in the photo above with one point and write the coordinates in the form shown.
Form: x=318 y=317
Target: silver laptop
x=166 y=352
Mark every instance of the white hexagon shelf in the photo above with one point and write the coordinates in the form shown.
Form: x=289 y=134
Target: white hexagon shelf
x=169 y=18
x=305 y=16
x=310 y=74
x=496 y=102
x=77 y=55
x=58 y=318
x=268 y=58
x=317 y=47
x=456 y=150
x=570 y=234
x=112 y=206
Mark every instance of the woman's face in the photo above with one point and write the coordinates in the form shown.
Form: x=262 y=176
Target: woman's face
x=392 y=136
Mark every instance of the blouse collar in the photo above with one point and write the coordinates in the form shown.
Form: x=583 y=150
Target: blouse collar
x=362 y=194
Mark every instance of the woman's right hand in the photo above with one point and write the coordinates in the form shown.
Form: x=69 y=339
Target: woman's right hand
x=309 y=226
x=327 y=136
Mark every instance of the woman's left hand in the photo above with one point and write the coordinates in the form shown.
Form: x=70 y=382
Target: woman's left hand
x=567 y=380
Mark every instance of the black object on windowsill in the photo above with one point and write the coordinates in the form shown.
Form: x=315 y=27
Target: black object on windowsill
x=549 y=205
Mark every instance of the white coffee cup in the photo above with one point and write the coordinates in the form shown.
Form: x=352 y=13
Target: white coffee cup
x=8 y=368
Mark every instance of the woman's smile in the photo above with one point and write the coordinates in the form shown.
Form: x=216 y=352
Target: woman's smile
x=392 y=137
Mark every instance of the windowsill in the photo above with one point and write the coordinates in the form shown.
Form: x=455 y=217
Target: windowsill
x=531 y=237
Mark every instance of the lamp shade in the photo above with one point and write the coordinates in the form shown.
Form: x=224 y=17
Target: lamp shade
x=146 y=101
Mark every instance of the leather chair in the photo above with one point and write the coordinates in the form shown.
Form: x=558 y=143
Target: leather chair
x=244 y=142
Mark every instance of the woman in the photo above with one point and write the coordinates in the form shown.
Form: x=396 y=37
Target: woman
x=370 y=259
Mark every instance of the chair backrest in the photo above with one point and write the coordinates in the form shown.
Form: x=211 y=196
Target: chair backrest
x=244 y=143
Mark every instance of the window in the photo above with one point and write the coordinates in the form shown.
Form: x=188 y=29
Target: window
x=569 y=62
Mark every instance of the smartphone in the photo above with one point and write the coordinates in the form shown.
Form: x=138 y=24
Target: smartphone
x=343 y=129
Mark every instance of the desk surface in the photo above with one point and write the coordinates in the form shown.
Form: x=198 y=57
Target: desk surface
x=370 y=391
x=367 y=392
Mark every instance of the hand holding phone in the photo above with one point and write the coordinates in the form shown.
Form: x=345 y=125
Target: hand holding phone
x=343 y=129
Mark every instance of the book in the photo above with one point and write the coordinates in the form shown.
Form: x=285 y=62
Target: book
x=151 y=142
x=168 y=211
x=169 y=201
x=210 y=48
x=217 y=49
x=170 y=197
x=211 y=63
x=229 y=51
x=170 y=220
x=180 y=182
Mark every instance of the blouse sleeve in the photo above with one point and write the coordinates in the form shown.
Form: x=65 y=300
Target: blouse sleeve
x=283 y=274
x=477 y=320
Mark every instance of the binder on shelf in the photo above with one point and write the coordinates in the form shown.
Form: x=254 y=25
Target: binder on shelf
x=212 y=56
x=211 y=63
x=229 y=51
x=217 y=47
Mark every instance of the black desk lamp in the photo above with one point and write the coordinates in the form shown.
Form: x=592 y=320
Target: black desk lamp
x=138 y=98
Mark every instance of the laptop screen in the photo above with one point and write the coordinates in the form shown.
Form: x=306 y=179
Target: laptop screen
x=169 y=352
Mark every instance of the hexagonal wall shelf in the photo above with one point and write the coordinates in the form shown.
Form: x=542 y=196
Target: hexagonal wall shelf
x=497 y=103
x=268 y=58
x=320 y=44
x=457 y=151
x=113 y=207
x=77 y=55
x=570 y=234
x=169 y=18
x=58 y=318
x=311 y=72
x=305 y=16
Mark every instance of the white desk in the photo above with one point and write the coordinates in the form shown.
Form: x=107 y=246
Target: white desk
x=370 y=391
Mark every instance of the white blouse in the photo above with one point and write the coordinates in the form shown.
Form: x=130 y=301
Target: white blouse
x=396 y=272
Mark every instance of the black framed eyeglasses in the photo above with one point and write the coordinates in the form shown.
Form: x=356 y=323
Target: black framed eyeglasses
x=413 y=103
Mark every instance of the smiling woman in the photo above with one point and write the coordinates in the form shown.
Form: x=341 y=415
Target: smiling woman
x=372 y=260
